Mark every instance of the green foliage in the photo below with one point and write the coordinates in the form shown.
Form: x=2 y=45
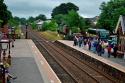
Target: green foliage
x=110 y=13
x=13 y=22
x=16 y=19
x=41 y=17
x=23 y=21
x=18 y=31
x=52 y=26
x=51 y=35
x=59 y=18
x=45 y=26
x=64 y=8
x=31 y=19
x=75 y=29
x=1 y=22
x=87 y=22
x=68 y=37
x=82 y=24
x=34 y=26
x=5 y=14
x=66 y=14
x=72 y=19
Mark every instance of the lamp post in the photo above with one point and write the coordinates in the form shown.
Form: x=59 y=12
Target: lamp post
x=26 y=31
x=0 y=45
x=13 y=35
x=4 y=45
x=2 y=69
x=0 y=51
x=9 y=57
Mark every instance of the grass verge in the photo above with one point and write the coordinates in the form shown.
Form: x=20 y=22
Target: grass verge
x=52 y=35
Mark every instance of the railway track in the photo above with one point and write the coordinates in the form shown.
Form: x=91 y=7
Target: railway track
x=79 y=56
x=61 y=73
x=75 y=69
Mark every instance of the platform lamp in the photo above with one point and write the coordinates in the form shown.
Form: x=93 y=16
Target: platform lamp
x=5 y=43
x=13 y=35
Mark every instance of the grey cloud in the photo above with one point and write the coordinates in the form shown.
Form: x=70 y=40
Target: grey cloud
x=26 y=8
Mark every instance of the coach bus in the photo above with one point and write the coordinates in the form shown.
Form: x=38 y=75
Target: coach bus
x=101 y=33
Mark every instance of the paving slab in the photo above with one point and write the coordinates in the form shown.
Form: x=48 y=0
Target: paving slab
x=29 y=65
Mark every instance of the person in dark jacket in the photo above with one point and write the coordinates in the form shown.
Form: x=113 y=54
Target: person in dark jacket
x=99 y=49
x=115 y=51
x=75 y=41
x=80 y=40
x=89 y=43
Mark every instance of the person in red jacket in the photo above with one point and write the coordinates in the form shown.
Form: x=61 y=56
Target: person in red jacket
x=109 y=51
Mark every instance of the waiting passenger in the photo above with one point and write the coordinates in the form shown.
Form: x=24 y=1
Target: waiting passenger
x=80 y=40
x=109 y=51
x=115 y=51
x=99 y=49
x=89 y=44
x=85 y=42
x=75 y=41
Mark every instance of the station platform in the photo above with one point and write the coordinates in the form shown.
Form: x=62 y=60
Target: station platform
x=29 y=65
x=118 y=63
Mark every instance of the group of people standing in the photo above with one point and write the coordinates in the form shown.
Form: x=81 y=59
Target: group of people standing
x=96 y=45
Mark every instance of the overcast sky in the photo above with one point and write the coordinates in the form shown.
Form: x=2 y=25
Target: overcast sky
x=26 y=8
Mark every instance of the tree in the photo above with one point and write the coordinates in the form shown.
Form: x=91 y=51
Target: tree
x=1 y=22
x=72 y=19
x=59 y=18
x=52 y=26
x=14 y=21
x=23 y=21
x=82 y=24
x=45 y=26
x=64 y=8
x=5 y=14
x=34 y=26
x=110 y=13
x=41 y=17
x=31 y=19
